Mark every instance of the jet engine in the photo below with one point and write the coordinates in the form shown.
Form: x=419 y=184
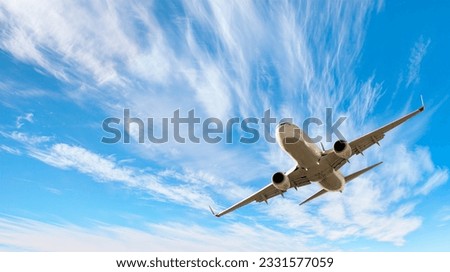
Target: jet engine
x=281 y=181
x=342 y=149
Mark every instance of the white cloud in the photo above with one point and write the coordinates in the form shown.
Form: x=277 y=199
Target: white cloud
x=391 y=228
x=444 y=213
x=105 y=169
x=70 y=36
x=30 y=235
x=225 y=188
x=26 y=117
x=25 y=138
x=10 y=91
x=436 y=180
x=54 y=191
x=415 y=60
x=245 y=40
x=65 y=156
x=10 y=150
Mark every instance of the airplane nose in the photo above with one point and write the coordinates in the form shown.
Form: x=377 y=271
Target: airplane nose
x=286 y=130
x=282 y=124
x=284 y=127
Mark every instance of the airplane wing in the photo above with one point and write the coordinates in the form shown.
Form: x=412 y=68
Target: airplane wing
x=362 y=143
x=297 y=178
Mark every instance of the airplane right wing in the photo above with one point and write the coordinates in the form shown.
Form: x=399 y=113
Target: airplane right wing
x=296 y=177
x=362 y=143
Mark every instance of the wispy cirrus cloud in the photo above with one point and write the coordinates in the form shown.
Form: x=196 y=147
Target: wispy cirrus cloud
x=28 y=117
x=25 y=138
x=10 y=150
x=415 y=60
x=436 y=180
x=106 y=169
x=444 y=214
x=54 y=44
x=23 y=234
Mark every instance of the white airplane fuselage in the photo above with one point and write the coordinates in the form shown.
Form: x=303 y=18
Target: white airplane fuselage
x=308 y=155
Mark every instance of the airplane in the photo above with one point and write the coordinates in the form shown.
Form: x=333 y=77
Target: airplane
x=314 y=164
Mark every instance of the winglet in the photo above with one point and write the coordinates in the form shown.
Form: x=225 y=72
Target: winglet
x=212 y=211
x=423 y=104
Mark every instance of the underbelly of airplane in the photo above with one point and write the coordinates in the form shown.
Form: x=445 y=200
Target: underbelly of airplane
x=333 y=182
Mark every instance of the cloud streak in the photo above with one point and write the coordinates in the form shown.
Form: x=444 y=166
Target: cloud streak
x=26 y=117
x=105 y=169
x=415 y=60
x=10 y=150
x=30 y=235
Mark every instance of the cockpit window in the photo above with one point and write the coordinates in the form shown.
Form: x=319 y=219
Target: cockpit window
x=283 y=123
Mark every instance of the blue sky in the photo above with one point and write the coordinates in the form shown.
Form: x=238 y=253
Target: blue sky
x=65 y=67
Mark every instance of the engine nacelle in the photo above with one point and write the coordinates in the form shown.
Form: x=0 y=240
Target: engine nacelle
x=342 y=149
x=281 y=181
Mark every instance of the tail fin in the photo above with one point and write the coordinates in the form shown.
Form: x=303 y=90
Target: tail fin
x=347 y=180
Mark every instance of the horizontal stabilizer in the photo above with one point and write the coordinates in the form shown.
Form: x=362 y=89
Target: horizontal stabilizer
x=360 y=172
x=319 y=193
x=347 y=179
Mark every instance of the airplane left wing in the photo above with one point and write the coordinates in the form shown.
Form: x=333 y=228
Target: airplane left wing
x=366 y=141
x=296 y=178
